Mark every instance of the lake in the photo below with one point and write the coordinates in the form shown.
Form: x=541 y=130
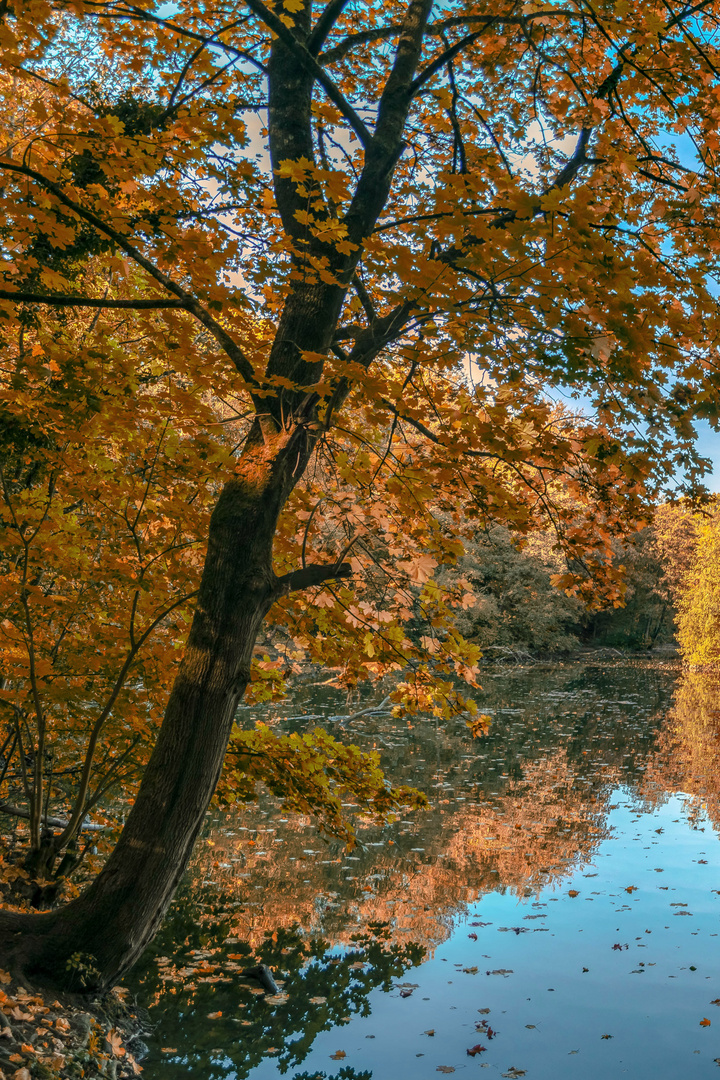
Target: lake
x=554 y=914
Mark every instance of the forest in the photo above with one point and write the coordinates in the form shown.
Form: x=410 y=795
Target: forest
x=353 y=357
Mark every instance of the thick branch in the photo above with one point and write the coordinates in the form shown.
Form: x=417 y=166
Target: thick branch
x=53 y=822
x=324 y=25
x=374 y=184
x=62 y=300
x=436 y=29
x=312 y=574
x=311 y=65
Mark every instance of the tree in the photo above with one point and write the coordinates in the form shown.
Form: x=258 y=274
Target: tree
x=379 y=235
x=698 y=588
x=687 y=540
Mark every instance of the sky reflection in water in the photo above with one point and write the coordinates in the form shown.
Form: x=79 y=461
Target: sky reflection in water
x=574 y=791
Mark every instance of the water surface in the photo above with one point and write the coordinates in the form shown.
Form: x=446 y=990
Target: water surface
x=555 y=911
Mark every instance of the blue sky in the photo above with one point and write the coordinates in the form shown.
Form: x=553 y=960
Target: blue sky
x=709 y=446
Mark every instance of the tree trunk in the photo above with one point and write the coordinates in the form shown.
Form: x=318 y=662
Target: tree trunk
x=119 y=913
x=116 y=917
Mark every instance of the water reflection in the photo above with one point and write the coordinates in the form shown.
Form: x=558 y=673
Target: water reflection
x=512 y=814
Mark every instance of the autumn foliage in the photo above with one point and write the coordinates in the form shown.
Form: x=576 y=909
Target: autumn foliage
x=322 y=272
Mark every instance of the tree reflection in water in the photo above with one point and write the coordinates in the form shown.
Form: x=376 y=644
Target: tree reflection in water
x=512 y=812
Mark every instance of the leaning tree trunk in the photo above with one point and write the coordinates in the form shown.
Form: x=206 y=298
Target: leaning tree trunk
x=116 y=917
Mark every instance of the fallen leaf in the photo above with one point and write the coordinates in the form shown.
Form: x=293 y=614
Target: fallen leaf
x=704 y=1022
x=445 y=1068
x=477 y=1049
x=214 y=1016
x=318 y=1000
x=631 y=888
x=21 y=1074
x=338 y=1055
x=473 y=936
x=4 y=977
x=715 y=1002
x=470 y=971
x=513 y=1072
x=168 y=1050
x=430 y=1031
x=573 y=892
x=606 y=1036
x=114 y=1043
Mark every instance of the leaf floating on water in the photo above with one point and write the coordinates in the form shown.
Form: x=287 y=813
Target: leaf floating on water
x=473 y=936
x=606 y=1036
x=318 y=1000
x=470 y=970
x=483 y=1012
x=338 y=1055
x=500 y=971
x=445 y=1068
x=631 y=888
x=405 y=993
x=477 y=1049
x=704 y=1022
x=430 y=1031
x=513 y=1072
x=715 y=1002
x=573 y=892
x=214 y=1016
x=620 y=947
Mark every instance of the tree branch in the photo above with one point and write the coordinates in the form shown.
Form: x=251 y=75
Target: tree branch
x=444 y=58
x=312 y=574
x=63 y=300
x=190 y=302
x=324 y=25
x=311 y=65
x=54 y=822
x=436 y=29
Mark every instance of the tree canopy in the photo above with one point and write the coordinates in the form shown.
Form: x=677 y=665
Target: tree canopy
x=294 y=300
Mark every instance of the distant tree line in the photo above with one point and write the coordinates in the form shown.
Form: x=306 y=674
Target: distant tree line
x=519 y=608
